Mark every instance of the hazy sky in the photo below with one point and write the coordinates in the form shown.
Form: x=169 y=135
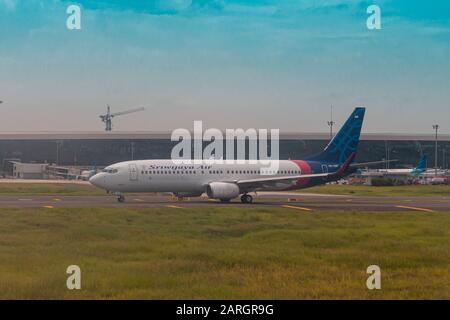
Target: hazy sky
x=238 y=63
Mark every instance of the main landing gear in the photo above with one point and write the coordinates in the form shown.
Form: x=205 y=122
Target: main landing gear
x=246 y=198
x=120 y=198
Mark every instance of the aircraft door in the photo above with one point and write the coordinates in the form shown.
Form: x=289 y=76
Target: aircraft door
x=324 y=170
x=133 y=172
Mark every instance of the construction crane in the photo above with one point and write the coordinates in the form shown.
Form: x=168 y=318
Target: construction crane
x=107 y=118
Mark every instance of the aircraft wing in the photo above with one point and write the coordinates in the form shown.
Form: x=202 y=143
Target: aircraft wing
x=365 y=164
x=273 y=180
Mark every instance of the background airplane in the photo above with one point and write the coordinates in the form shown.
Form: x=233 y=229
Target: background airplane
x=415 y=172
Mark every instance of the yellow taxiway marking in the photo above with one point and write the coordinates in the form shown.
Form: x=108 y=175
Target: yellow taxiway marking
x=416 y=208
x=174 y=207
x=297 y=207
x=138 y=200
x=48 y=207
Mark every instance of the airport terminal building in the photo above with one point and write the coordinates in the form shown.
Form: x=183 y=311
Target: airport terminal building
x=87 y=149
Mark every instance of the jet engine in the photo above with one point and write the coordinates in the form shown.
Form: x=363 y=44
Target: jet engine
x=222 y=190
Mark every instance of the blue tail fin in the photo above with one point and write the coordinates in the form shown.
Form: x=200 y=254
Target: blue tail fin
x=345 y=142
x=421 y=166
x=422 y=163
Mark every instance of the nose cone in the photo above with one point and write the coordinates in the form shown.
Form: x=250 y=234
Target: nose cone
x=96 y=180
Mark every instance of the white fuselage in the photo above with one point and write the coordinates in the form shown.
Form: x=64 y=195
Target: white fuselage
x=167 y=176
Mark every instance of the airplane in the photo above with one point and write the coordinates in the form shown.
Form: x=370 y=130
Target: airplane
x=228 y=181
x=415 y=172
x=87 y=174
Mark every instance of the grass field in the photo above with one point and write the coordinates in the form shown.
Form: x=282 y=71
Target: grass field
x=229 y=253
x=409 y=190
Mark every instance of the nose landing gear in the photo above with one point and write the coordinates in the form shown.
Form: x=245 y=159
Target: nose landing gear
x=246 y=198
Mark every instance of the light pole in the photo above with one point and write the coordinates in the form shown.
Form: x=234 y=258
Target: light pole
x=58 y=146
x=387 y=154
x=443 y=159
x=331 y=123
x=436 y=128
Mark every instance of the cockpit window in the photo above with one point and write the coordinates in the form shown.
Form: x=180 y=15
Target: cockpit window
x=110 y=170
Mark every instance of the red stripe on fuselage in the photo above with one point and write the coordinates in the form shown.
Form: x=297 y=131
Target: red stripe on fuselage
x=305 y=168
